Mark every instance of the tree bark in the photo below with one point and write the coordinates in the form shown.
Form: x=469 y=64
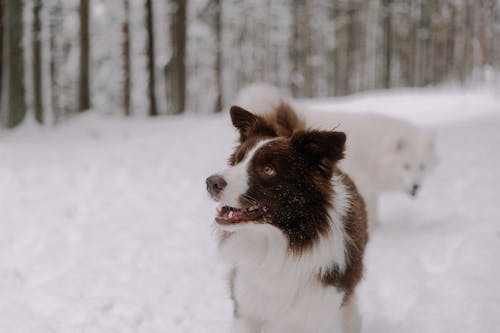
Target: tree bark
x=1 y=48
x=13 y=104
x=387 y=43
x=150 y=53
x=84 y=88
x=175 y=71
x=126 y=58
x=218 y=54
x=55 y=84
x=37 y=61
x=301 y=83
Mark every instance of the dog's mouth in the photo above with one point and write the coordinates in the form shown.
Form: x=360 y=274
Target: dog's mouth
x=230 y=215
x=414 y=190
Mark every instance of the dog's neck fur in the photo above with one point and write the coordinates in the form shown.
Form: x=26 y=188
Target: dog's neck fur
x=268 y=279
x=265 y=248
x=275 y=274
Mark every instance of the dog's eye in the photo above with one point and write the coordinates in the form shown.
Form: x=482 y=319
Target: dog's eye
x=269 y=170
x=406 y=166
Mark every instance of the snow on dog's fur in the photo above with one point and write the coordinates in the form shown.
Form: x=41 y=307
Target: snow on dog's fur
x=383 y=154
x=293 y=226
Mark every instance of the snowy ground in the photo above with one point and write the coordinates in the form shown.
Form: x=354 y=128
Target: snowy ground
x=105 y=225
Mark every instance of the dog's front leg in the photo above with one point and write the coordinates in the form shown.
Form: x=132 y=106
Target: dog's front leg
x=351 y=318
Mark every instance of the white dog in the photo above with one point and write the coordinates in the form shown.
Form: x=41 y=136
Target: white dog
x=383 y=154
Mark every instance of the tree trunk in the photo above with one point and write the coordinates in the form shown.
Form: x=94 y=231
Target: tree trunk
x=126 y=58
x=13 y=104
x=301 y=83
x=218 y=54
x=175 y=71
x=150 y=53
x=450 y=44
x=336 y=53
x=55 y=84
x=352 y=48
x=84 y=88
x=1 y=49
x=37 y=61
x=387 y=22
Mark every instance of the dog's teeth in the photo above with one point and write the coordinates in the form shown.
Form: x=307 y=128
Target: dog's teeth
x=251 y=209
x=230 y=215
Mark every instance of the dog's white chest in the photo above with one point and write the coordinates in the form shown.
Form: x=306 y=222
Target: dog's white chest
x=287 y=303
x=283 y=294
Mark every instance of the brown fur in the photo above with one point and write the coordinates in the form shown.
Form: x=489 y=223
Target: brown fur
x=283 y=121
x=298 y=197
x=356 y=228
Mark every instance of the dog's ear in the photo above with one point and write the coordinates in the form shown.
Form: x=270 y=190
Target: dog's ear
x=323 y=148
x=241 y=118
x=400 y=145
x=287 y=120
x=249 y=124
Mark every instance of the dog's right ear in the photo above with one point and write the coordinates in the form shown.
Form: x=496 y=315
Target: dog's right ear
x=249 y=124
x=287 y=120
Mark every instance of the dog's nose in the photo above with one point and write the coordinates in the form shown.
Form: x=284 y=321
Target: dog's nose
x=414 y=189
x=215 y=184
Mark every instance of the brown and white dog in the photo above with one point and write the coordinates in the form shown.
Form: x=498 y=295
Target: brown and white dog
x=292 y=224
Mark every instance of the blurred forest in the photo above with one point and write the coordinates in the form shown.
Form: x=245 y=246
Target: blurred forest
x=152 y=57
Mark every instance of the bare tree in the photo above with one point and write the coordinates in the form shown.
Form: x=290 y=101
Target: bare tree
x=126 y=57
x=1 y=47
x=301 y=82
x=37 y=61
x=150 y=54
x=13 y=108
x=175 y=70
x=387 y=43
x=55 y=27
x=84 y=81
x=218 y=54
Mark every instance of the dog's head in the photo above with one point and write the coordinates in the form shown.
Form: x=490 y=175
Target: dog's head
x=410 y=161
x=278 y=175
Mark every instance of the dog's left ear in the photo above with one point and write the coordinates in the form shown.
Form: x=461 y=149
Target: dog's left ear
x=400 y=145
x=249 y=124
x=320 y=146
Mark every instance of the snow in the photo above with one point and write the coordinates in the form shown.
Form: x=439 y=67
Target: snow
x=106 y=227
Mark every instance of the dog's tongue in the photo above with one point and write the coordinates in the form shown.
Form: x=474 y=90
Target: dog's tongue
x=230 y=215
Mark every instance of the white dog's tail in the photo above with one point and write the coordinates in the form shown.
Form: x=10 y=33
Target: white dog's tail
x=260 y=98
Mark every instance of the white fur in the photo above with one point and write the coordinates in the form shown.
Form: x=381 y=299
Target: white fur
x=259 y=98
x=383 y=154
x=236 y=178
x=277 y=291
x=378 y=148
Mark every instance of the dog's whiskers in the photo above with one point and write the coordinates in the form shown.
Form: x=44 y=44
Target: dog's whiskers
x=250 y=200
